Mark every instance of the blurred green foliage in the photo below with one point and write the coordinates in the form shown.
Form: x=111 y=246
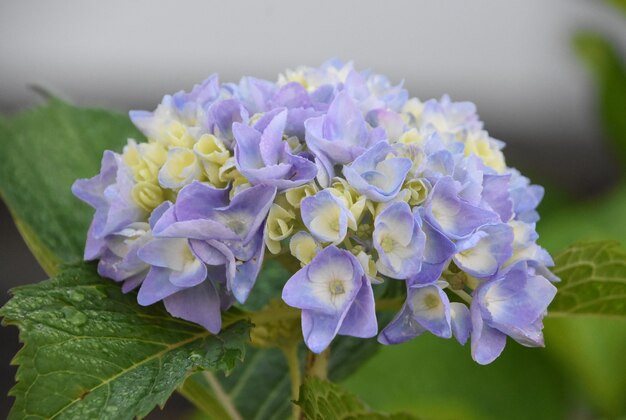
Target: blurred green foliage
x=582 y=372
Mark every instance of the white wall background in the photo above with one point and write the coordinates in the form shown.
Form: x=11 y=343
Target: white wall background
x=513 y=58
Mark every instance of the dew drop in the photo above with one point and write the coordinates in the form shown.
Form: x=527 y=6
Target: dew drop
x=76 y=296
x=74 y=316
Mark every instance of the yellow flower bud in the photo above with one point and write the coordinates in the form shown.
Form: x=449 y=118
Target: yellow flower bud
x=144 y=160
x=180 y=169
x=304 y=247
x=412 y=111
x=178 y=135
x=482 y=146
x=228 y=171
x=295 y=195
x=280 y=224
x=211 y=149
x=418 y=191
x=148 y=196
x=369 y=266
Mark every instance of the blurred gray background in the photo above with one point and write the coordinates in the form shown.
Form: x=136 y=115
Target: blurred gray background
x=513 y=59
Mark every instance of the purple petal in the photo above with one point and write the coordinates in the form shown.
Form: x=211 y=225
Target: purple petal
x=156 y=286
x=401 y=329
x=461 y=321
x=319 y=330
x=360 y=321
x=487 y=343
x=199 y=304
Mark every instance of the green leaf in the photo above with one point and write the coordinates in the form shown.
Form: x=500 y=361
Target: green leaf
x=593 y=280
x=603 y=60
x=321 y=400
x=92 y=352
x=44 y=151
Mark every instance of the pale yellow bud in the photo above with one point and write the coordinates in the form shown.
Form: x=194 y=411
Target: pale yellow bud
x=481 y=145
x=418 y=191
x=144 y=160
x=369 y=266
x=148 y=196
x=280 y=224
x=211 y=149
x=295 y=196
x=412 y=111
x=180 y=169
x=304 y=247
x=177 y=135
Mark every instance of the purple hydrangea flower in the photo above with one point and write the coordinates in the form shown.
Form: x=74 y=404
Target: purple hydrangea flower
x=335 y=297
x=483 y=253
x=512 y=304
x=427 y=308
x=377 y=176
x=110 y=194
x=365 y=186
x=326 y=217
x=222 y=235
x=399 y=240
x=450 y=214
x=187 y=108
x=341 y=135
x=264 y=158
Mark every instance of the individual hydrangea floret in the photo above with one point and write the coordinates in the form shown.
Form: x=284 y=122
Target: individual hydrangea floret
x=341 y=177
x=335 y=297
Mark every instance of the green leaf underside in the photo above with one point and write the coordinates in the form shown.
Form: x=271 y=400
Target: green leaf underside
x=43 y=152
x=593 y=280
x=92 y=352
x=322 y=400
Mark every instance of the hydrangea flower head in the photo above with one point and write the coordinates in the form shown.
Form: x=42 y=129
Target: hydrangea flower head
x=342 y=173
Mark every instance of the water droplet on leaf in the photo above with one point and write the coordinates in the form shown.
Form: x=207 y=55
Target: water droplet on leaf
x=76 y=296
x=74 y=316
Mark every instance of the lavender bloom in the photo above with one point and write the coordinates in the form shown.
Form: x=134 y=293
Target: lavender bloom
x=451 y=215
x=341 y=135
x=182 y=107
x=179 y=278
x=438 y=250
x=512 y=304
x=427 y=308
x=483 y=253
x=264 y=158
x=496 y=195
x=450 y=117
x=376 y=176
x=339 y=171
x=399 y=242
x=525 y=198
x=326 y=217
x=119 y=260
x=255 y=94
x=300 y=106
x=222 y=235
x=335 y=297
x=221 y=116
x=110 y=193
x=461 y=322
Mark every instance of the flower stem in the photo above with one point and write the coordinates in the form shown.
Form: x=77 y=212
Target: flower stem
x=462 y=294
x=317 y=364
x=295 y=374
x=221 y=395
